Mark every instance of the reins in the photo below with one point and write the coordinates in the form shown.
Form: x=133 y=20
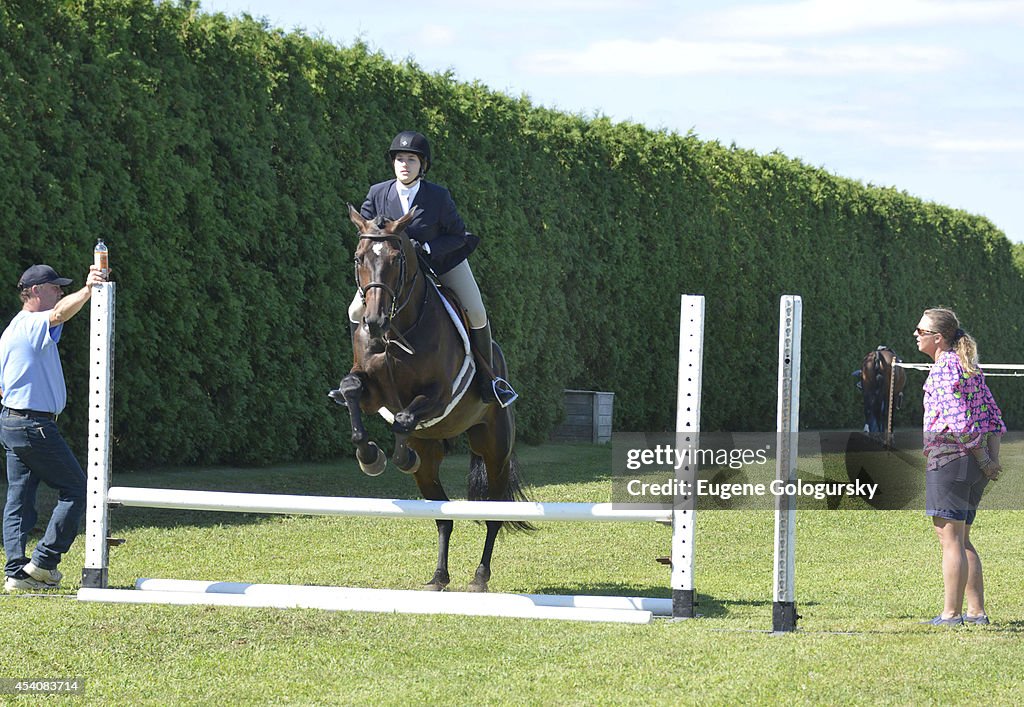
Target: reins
x=393 y=335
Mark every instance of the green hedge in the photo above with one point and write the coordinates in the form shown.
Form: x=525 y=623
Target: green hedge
x=216 y=155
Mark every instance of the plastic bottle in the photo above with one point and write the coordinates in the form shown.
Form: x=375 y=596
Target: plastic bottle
x=99 y=255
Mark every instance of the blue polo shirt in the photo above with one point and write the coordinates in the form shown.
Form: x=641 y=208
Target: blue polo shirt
x=30 y=372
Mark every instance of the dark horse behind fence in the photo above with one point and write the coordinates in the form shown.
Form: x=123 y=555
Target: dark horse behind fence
x=879 y=379
x=410 y=364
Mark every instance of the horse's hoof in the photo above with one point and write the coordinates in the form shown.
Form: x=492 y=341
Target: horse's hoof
x=375 y=467
x=480 y=580
x=404 y=423
x=438 y=583
x=414 y=463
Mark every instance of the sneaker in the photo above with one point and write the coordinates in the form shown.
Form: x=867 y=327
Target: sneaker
x=20 y=581
x=50 y=578
x=939 y=621
x=979 y=620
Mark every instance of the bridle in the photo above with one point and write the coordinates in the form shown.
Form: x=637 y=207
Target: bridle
x=396 y=295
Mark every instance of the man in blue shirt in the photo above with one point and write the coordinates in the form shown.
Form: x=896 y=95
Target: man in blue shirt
x=33 y=394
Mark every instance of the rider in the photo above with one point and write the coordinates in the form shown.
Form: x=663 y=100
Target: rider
x=441 y=241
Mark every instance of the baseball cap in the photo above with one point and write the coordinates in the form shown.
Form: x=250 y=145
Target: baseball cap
x=40 y=275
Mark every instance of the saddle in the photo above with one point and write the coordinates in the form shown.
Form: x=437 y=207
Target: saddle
x=481 y=359
x=464 y=379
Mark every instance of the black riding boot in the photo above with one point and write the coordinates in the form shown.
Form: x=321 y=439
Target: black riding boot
x=496 y=390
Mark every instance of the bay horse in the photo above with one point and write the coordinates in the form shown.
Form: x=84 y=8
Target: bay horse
x=876 y=376
x=407 y=351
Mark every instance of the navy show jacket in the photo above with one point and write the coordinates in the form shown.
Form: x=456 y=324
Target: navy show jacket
x=436 y=222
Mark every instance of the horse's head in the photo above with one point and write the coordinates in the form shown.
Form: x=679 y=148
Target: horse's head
x=881 y=380
x=386 y=269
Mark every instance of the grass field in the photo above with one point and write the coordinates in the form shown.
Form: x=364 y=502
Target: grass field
x=864 y=580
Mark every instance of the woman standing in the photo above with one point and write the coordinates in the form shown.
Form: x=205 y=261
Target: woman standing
x=962 y=429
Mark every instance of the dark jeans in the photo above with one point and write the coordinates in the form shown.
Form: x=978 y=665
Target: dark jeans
x=37 y=453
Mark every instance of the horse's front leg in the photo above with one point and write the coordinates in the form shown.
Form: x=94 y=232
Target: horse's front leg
x=423 y=407
x=349 y=393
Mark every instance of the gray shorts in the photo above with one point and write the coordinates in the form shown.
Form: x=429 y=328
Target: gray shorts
x=954 y=490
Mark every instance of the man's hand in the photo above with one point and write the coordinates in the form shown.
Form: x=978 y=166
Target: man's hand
x=95 y=276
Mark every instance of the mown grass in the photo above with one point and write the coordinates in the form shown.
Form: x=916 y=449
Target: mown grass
x=864 y=580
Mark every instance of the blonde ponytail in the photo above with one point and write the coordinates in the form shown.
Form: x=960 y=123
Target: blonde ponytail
x=946 y=323
x=967 y=351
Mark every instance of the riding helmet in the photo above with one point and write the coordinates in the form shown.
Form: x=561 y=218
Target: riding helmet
x=411 y=141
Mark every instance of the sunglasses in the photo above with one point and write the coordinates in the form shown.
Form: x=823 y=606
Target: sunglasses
x=924 y=332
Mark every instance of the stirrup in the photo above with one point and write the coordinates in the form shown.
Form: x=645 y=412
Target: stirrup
x=503 y=392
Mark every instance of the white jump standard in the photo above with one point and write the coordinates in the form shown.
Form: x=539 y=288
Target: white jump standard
x=688 y=397
x=102 y=497
x=101 y=362
x=784 y=616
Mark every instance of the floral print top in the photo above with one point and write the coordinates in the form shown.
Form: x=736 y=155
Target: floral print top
x=959 y=411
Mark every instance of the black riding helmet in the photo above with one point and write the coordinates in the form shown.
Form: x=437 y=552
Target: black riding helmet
x=411 y=141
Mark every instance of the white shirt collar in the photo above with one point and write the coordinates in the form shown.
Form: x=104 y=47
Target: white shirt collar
x=408 y=192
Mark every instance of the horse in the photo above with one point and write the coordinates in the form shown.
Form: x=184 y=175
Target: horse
x=407 y=351
x=878 y=378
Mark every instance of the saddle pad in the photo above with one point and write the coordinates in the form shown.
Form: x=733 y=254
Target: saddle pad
x=464 y=378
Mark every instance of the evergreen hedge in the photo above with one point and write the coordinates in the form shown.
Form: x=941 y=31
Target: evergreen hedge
x=215 y=156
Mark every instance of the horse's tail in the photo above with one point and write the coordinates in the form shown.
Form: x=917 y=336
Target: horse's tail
x=479 y=489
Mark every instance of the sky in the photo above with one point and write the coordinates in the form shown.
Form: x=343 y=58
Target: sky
x=926 y=96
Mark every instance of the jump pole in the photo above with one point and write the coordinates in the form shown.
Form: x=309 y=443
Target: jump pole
x=376 y=507
x=389 y=601
x=784 y=616
x=655 y=605
x=403 y=601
